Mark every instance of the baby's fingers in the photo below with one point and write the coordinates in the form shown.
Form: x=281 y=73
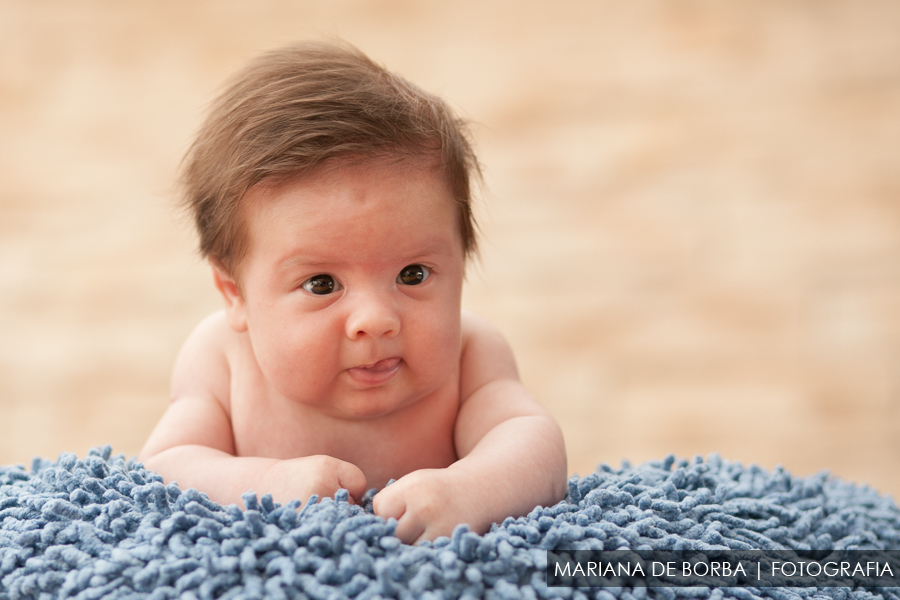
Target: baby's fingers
x=388 y=503
x=410 y=526
x=351 y=478
x=411 y=529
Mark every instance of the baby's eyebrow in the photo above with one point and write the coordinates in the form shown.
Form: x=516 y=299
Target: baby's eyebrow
x=430 y=250
x=293 y=261
x=433 y=249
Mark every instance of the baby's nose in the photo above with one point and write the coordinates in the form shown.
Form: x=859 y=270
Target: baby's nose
x=374 y=316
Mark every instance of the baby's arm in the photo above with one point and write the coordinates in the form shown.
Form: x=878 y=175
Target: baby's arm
x=512 y=455
x=193 y=442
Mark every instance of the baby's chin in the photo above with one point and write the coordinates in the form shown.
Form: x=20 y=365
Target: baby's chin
x=367 y=405
x=367 y=413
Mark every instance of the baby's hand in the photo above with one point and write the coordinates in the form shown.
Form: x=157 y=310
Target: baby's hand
x=427 y=504
x=300 y=478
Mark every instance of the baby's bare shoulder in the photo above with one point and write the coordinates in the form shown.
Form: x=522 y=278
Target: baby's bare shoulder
x=203 y=367
x=479 y=334
x=476 y=329
x=485 y=354
x=213 y=329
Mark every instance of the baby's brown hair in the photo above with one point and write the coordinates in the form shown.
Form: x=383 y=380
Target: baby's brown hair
x=294 y=108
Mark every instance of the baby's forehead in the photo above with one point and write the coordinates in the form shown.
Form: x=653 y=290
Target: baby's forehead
x=334 y=173
x=336 y=191
x=354 y=216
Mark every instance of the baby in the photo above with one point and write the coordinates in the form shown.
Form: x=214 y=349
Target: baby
x=332 y=200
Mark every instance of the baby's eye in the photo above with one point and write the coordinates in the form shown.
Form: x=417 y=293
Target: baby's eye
x=321 y=285
x=413 y=275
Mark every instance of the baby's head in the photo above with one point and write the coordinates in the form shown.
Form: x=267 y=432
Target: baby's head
x=298 y=108
x=333 y=200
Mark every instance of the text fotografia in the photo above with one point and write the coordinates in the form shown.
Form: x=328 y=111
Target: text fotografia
x=729 y=568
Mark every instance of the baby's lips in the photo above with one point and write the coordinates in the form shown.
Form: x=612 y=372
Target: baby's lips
x=377 y=373
x=381 y=366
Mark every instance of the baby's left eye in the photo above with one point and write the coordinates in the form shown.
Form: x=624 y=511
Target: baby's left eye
x=413 y=275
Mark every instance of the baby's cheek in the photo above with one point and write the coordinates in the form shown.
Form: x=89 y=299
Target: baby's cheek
x=431 y=334
x=440 y=358
x=293 y=349
x=292 y=371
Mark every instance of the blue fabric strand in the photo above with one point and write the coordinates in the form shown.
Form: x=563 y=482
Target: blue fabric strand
x=104 y=527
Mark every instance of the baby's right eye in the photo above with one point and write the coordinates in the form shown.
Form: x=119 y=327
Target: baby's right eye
x=321 y=285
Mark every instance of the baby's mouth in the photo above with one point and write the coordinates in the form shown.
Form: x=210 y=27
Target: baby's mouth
x=376 y=373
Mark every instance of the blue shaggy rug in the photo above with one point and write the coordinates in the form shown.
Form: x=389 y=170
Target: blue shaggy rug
x=104 y=527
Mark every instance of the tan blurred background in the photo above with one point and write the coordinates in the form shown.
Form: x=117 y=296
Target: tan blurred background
x=691 y=235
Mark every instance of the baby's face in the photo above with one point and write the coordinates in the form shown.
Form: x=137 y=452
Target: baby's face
x=351 y=287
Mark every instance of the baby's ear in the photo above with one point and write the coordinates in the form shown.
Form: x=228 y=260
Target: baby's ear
x=234 y=302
